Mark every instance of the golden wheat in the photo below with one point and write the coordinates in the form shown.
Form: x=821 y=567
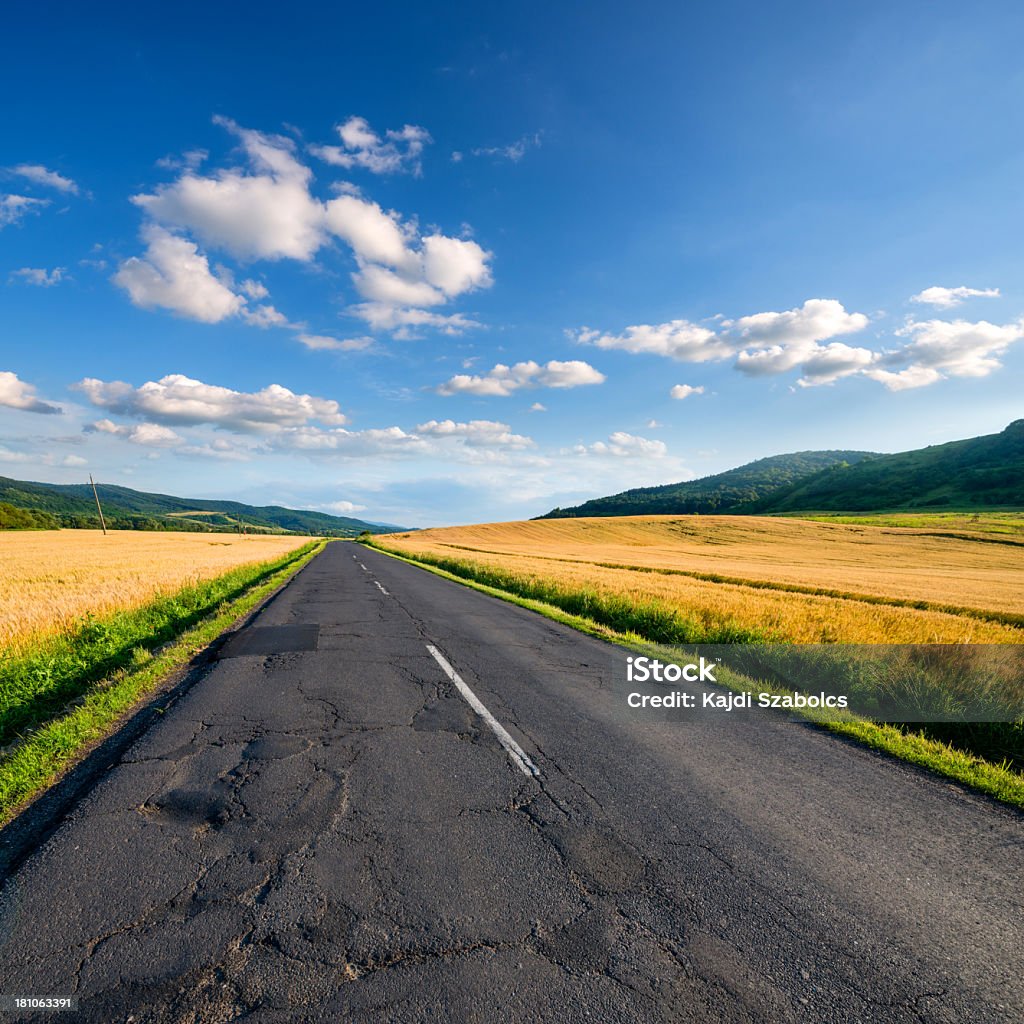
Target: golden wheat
x=51 y=578
x=753 y=554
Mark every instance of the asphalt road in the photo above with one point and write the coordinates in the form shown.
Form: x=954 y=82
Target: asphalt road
x=324 y=829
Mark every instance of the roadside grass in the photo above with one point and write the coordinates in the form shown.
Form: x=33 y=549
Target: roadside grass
x=956 y=751
x=66 y=693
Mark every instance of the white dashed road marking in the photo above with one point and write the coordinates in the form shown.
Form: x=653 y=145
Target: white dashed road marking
x=379 y=587
x=514 y=751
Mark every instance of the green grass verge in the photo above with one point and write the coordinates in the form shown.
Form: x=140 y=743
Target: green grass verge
x=995 y=780
x=66 y=694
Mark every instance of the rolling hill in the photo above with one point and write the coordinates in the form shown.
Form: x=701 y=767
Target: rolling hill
x=722 y=492
x=72 y=505
x=981 y=472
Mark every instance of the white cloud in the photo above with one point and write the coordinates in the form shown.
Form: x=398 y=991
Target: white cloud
x=678 y=339
x=404 y=323
x=347 y=443
x=455 y=265
x=149 y=434
x=793 y=340
x=829 y=363
x=503 y=380
x=320 y=342
x=174 y=275
x=956 y=348
x=682 y=391
x=342 y=508
x=902 y=380
x=42 y=176
x=816 y=320
x=14 y=207
x=513 y=152
x=484 y=433
x=375 y=236
x=947 y=298
x=538 y=407
x=378 y=284
x=264 y=316
x=269 y=214
x=181 y=400
x=17 y=394
x=255 y=289
x=267 y=211
x=623 y=445
x=361 y=146
x=73 y=460
x=40 y=276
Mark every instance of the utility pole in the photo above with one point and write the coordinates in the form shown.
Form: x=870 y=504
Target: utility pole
x=99 y=509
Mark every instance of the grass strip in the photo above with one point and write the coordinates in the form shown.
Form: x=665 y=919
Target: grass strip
x=1014 y=619
x=38 y=681
x=37 y=758
x=998 y=781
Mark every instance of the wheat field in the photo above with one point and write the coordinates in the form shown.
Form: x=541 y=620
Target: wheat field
x=52 y=578
x=766 y=571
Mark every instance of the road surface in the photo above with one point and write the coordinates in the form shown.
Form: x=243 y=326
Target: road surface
x=326 y=827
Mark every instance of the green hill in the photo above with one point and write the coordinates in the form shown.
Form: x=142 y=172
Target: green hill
x=981 y=472
x=723 y=492
x=72 y=505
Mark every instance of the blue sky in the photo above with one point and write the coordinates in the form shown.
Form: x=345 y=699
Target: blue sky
x=432 y=264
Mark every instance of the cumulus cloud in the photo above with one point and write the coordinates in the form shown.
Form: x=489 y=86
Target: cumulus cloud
x=828 y=363
x=40 y=276
x=400 y=149
x=347 y=443
x=179 y=399
x=321 y=342
x=816 y=320
x=455 y=265
x=503 y=380
x=14 y=207
x=947 y=298
x=946 y=348
x=405 y=323
x=902 y=380
x=792 y=339
x=342 y=508
x=678 y=339
x=152 y=435
x=268 y=214
x=264 y=316
x=475 y=433
x=623 y=445
x=17 y=394
x=267 y=211
x=383 y=286
x=40 y=175
x=174 y=275
x=682 y=391
x=255 y=289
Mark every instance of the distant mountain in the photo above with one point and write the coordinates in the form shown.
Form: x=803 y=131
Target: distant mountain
x=981 y=472
x=723 y=492
x=72 y=505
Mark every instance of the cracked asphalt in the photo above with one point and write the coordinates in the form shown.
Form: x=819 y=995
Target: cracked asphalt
x=325 y=831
